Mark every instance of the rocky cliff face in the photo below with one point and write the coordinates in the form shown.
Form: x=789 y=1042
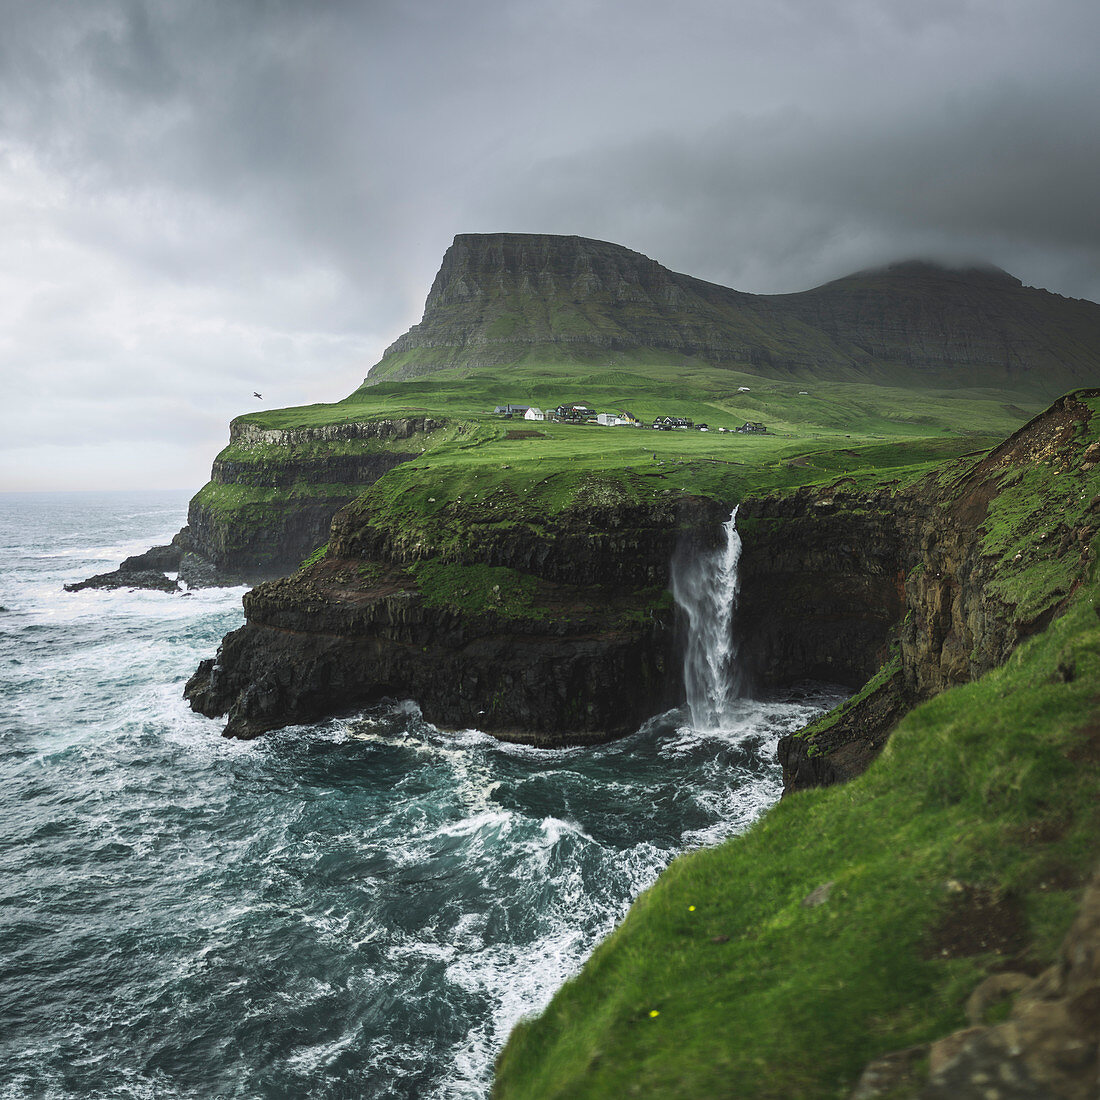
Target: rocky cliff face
x=496 y=292
x=273 y=492
x=499 y=298
x=821 y=586
x=589 y=656
x=979 y=562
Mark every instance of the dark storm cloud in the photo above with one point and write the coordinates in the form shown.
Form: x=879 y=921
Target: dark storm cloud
x=200 y=198
x=1007 y=175
x=978 y=148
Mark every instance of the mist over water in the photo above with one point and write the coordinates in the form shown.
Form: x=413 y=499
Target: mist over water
x=361 y=907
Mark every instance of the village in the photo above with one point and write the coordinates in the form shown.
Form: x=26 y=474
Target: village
x=582 y=414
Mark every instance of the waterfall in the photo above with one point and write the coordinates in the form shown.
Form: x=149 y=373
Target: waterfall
x=706 y=588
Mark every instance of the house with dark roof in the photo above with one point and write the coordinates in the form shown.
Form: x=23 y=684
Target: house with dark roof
x=574 y=414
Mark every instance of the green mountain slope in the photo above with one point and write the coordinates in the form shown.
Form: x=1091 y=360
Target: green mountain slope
x=523 y=299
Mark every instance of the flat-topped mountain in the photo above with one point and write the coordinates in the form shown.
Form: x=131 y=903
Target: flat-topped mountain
x=510 y=298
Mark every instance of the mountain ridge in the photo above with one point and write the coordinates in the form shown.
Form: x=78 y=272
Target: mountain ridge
x=507 y=298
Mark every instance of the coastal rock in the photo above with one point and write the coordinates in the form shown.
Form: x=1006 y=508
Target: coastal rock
x=197 y=571
x=162 y=559
x=121 y=578
x=138 y=571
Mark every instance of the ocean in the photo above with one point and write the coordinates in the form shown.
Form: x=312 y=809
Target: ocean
x=357 y=908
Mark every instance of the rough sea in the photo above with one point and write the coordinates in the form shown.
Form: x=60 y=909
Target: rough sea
x=358 y=908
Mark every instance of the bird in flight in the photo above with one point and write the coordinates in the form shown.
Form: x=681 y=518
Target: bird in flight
x=259 y=395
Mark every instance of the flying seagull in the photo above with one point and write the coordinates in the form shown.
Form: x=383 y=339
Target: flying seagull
x=259 y=395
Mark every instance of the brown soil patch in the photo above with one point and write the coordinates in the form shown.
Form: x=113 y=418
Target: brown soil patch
x=1044 y=831
x=1057 y=876
x=1087 y=750
x=978 y=921
x=523 y=433
x=1043 y=438
x=972 y=508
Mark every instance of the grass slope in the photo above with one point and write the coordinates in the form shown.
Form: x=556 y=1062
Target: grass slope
x=834 y=430
x=960 y=852
x=482 y=470
x=987 y=794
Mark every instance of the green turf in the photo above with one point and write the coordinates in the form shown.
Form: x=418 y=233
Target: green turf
x=759 y=996
x=989 y=790
x=837 y=430
x=829 y=410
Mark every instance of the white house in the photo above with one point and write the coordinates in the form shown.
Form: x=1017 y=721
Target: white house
x=609 y=420
x=534 y=414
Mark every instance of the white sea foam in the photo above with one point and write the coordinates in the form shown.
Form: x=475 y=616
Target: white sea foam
x=327 y=905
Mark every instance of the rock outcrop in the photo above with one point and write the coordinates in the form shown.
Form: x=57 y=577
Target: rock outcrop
x=127 y=578
x=960 y=606
x=1047 y=1049
x=146 y=570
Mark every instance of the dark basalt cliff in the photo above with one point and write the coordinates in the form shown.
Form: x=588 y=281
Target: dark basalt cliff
x=894 y=588
x=273 y=492
x=591 y=657
x=505 y=297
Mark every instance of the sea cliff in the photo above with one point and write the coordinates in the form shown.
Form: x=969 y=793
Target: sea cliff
x=560 y=630
x=986 y=553
x=273 y=492
x=559 y=635
x=902 y=934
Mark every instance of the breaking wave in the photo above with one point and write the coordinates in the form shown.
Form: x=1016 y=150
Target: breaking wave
x=361 y=907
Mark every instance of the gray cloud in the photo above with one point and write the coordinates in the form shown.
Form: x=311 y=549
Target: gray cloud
x=200 y=198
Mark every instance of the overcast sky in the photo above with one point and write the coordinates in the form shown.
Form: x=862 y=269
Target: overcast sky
x=199 y=198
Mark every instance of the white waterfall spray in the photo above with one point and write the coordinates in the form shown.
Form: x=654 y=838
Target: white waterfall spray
x=706 y=588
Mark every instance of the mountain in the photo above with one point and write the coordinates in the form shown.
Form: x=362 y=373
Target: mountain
x=511 y=298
